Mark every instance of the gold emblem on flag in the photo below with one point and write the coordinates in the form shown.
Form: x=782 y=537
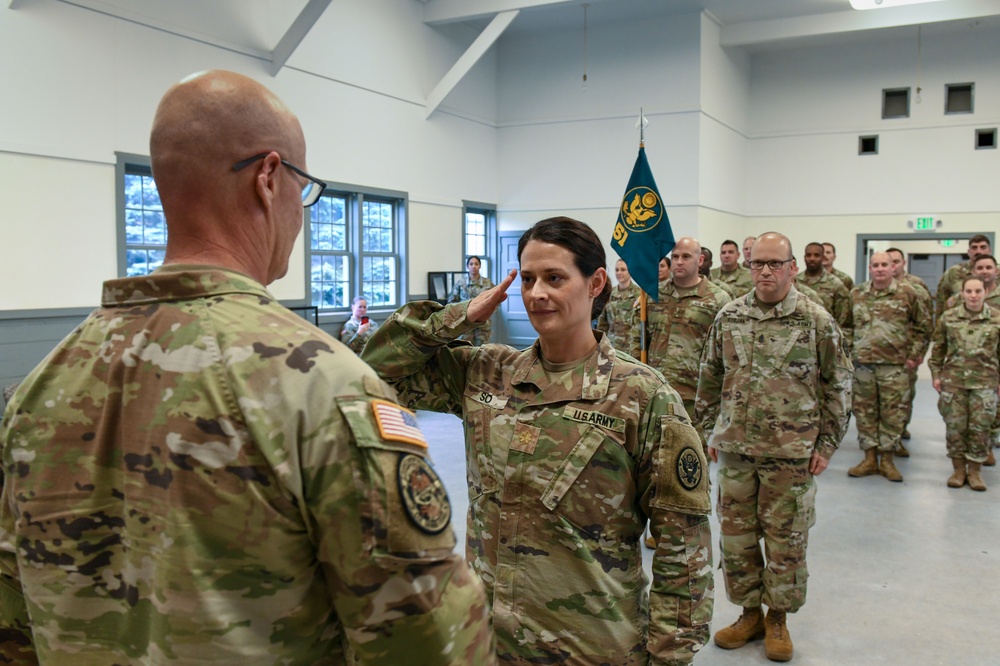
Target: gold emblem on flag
x=642 y=209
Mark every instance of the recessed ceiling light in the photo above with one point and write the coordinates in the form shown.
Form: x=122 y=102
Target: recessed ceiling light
x=881 y=4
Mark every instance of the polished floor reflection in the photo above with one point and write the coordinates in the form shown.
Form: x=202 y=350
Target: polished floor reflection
x=900 y=573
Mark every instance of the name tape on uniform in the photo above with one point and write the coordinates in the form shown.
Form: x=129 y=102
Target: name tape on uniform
x=612 y=423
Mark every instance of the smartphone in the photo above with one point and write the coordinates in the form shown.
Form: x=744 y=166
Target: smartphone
x=364 y=320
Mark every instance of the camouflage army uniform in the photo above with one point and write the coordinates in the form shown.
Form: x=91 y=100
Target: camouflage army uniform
x=723 y=286
x=196 y=474
x=844 y=277
x=835 y=296
x=950 y=284
x=356 y=341
x=774 y=387
x=465 y=290
x=616 y=319
x=676 y=328
x=738 y=280
x=966 y=358
x=925 y=295
x=890 y=326
x=565 y=464
x=810 y=293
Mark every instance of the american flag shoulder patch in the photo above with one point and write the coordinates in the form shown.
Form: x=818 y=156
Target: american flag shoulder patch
x=397 y=424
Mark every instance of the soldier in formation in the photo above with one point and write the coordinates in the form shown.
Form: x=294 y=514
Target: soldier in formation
x=773 y=403
x=830 y=256
x=730 y=272
x=571 y=447
x=965 y=370
x=891 y=335
x=900 y=274
x=951 y=282
x=466 y=289
x=616 y=318
x=197 y=475
x=832 y=292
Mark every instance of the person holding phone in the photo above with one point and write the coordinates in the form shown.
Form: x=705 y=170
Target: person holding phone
x=359 y=327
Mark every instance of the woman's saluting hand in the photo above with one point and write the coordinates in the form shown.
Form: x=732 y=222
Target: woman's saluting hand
x=485 y=304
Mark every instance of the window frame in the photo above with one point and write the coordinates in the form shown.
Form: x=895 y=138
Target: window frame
x=491 y=241
x=128 y=164
x=356 y=196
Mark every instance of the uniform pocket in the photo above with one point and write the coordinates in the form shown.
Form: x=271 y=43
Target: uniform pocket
x=805 y=508
x=591 y=484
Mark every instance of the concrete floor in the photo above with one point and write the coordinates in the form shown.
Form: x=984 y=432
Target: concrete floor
x=900 y=573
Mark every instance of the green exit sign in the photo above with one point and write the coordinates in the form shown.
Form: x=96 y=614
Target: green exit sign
x=948 y=243
x=924 y=224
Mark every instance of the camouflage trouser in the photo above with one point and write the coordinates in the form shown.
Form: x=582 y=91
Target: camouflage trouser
x=479 y=336
x=773 y=498
x=995 y=430
x=881 y=394
x=968 y=415
x=912 y=375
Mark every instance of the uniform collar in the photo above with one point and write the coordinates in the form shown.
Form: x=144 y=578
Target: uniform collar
x=178 y=282
x=596 y=371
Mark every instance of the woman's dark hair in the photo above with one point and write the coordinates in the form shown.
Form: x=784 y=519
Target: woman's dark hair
x=471 y=257
x=581 y=241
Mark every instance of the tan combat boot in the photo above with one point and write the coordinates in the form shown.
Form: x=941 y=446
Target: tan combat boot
x=990 y=459
x=777 y=642
x=749 y=627
x=902 y=451
x=957 y=478
x=887 y=468
x=866 y=467
x=974 y=479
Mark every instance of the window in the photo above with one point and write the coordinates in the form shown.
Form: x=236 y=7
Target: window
x=896 y=103
x=142 y=228
x=480 y=232
x=958 y=97
x=354 y=248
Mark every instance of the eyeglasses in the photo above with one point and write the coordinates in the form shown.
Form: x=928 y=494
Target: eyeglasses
x=310 y=191
x=773 y=264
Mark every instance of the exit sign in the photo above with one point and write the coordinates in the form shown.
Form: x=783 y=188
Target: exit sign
x=948 y=243
x=924 y=224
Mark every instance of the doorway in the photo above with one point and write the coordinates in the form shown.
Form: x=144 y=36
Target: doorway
x=928 y=255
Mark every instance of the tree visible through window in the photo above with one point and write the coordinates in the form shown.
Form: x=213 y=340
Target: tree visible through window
x=145 y=226
x=331 y=261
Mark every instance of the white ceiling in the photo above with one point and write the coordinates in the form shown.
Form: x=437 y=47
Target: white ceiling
x=266 y=28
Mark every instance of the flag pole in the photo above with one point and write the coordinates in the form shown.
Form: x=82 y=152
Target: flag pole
x=643 y=341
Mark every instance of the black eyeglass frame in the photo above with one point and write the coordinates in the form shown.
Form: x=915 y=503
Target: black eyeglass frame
x=310 y=193
x=773 y=264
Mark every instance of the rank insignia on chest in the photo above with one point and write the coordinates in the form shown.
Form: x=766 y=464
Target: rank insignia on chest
x=689 y=468
x=525 y=438
x=423 y=494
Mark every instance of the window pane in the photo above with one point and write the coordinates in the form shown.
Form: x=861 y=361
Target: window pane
x=155 y=228
x=133 y=190
x=135 y=263
x=338 y=237
x=477 y=245
x=133 y=226
x=156 y=259
x=150 y=195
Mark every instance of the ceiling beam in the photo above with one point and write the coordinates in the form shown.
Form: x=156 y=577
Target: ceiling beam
x=453 y=11
x=14 y=4
x=760 y=32
x=296 y=32
x=471 y=56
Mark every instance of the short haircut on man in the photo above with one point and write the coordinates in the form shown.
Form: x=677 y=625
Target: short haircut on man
x=980 y=238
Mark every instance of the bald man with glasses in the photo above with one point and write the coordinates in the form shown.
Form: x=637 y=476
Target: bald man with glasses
x=204 y=477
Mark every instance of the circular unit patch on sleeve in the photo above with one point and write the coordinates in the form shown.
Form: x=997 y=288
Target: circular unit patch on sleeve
x=689 y=468
x=423 y=494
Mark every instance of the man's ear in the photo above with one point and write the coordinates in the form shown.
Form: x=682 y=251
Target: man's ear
x=266 y=179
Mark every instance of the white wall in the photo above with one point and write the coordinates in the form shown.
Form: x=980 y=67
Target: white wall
x=79 y=85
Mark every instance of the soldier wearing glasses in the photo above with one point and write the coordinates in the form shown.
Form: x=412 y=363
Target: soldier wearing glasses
x=773 y=402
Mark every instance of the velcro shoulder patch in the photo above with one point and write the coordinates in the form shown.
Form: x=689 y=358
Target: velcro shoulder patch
x=397 y=424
